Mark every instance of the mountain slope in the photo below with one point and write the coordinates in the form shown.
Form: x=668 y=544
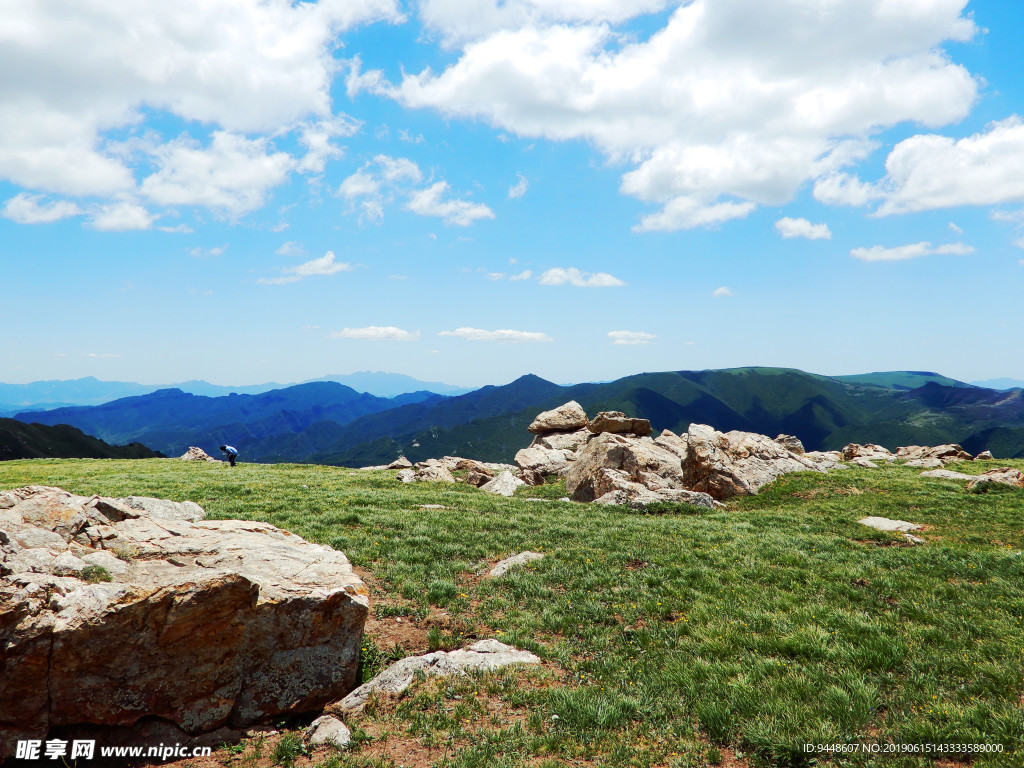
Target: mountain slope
x=19 y=440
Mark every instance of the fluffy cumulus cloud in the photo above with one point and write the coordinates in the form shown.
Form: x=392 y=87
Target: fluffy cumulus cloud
x=244 y=67
x=376 y=333
x=730 y=104
x=28 y=209
x=790 y=228
x=504 y=335
x=930 y=171
x=912 y=251
x=121 y=217
x=631 y=338
x=325 y=265
x=720 y=293
x=574 y=277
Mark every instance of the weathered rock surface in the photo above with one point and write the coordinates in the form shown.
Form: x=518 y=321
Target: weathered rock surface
x=504 y=484
x=736 y=463
x=209 y=624
x=944 y=453
x=328 y=730
x=400 y=463
x=432 y=471
x=1001 y=476
x=867 y=451
x=406 y=475
x=482 y=655
x=885 y=524
x=501 y=568
x=565 y=418
x=616 y=422
x=547 y=461
x=931 y=463
x=946 y=474
x=198 y=454
x=635 y=460
x=984 y=456
x=825 y=460
x=790 y=443
x=864 y=461
x=557 y=441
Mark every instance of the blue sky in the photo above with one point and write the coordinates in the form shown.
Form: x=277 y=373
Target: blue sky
x=467 y=191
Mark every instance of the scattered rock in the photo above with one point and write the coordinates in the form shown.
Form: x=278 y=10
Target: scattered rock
x=913 y=540
x=400 y=463
x=1001 y=476
x=432 y=506
x=867 y=451
x=433 y=473
x=198 y=454
x=212 y=623
x=947 y=474
x=504 y=484
x=640 y=497
x=736 y=463
x=482 y=655
x=616 y=422
x=944 y=453
x=565 y=418
x=634 y=461
x=825 y=460
x=478 y=479
x=501 y=568
x=530 y=476
x=929 y=463
x=985 y=456
x=885 y=524
x=864 y=461
x=406 y=476
x=328 y=730
x=790 y=443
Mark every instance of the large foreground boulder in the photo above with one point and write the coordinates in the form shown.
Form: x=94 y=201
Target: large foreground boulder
x=116 y=616
x=736 y=463
x=565 y=418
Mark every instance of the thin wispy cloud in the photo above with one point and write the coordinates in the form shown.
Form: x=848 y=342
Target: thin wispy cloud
x=518 y=189
x=502 y=335
x=376 y=333
x=631 y=338
x=290 y=248
x=719 y=293
x=573 y=276
x=912 y=251
x=325 y=265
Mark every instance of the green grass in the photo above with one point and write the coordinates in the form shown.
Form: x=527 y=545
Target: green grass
x=671 y=637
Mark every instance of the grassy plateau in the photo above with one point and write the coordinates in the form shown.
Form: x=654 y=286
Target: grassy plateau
x=679 y=637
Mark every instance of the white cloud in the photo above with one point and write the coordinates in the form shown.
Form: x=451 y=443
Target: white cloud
x=290 y=248
x=476 y=334
x=233 y=174
x=790 y=228
x=121 y=217
x=518 y=189
x=631 y=338
x=376 y=333
x=573 y=276
x=526 y=274
x=325 y=265
x=462 y=213
x=317 y=138
x=718 y=293
x=843 y=189
x=24 y=208
x=102 y=355
x=95 y=66
x=732 y=103
x=926 y=172
x=496 y=276
x=205 y=253
x=955 y=229
x=912 y=251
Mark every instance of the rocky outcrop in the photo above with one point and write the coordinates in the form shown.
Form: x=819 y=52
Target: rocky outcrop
x=921 y=453
x=547 y=461
x=885 y=524
x=636 y=460
x=1001 y=476
x=790 y=443
x=111 y=614
x=562 y=441
x=565 y=418
x=867 y=451
x=400 y=463
x=736 y=463
x=616 y=422
x=483 y=655
x=984 y=456
x=198 y=454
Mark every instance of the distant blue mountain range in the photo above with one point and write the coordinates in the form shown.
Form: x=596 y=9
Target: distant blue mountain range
x=48 y=395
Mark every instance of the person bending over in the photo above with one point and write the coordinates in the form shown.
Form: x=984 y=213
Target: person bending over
x=231 y=453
